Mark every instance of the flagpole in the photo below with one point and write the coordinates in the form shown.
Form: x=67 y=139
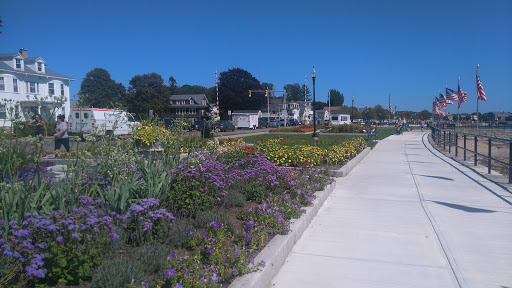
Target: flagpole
x=477 y=118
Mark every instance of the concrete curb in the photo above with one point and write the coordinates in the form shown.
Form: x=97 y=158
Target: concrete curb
x=278 y=249
x=343 y=171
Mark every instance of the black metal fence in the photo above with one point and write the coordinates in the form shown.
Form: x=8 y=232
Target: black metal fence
x=444 y=136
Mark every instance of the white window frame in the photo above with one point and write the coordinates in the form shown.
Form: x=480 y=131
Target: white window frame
x=62 y=91
x=3 y=111
x=39 y=67
x=32 y=85
x=51 y=89
x=16 y=62
x=15 y=87
x=2 y=83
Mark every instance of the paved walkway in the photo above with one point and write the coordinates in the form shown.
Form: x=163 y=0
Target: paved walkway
x=406 y=216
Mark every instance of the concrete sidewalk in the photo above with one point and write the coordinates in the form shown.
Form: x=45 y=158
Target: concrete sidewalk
x=406 y=216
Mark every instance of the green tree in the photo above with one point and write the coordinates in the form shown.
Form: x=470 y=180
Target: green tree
x=148 y=92
x=234 y=86
x=99 y=90
x=424 y=115
x=382 y=114
x=319 y=105
x=293 y=92
x=173 y=85
x=268 y=86
x=308 y=93
x=192 y=89
x=337 y=99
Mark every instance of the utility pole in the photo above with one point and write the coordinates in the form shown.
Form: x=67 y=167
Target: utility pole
x=352 y=116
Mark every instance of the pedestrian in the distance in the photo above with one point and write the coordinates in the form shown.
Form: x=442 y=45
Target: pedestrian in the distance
x=422 y=124
x=41 y=132
x=61 y=134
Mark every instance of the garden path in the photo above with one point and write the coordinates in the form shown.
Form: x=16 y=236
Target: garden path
x=406 y=216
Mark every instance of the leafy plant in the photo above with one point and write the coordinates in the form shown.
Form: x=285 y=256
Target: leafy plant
x=235 y=199
x=204 y=218
x=153 y=257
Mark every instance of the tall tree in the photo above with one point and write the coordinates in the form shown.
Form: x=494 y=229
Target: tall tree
x=319 y=105
x=234 y=86
x=99 y=90
x=148 y=92
x=173 y=85
x=382 y=114
x=337 y=99
x=293 y=92
x=423 y=115
x=308 y=93
x=192 y=89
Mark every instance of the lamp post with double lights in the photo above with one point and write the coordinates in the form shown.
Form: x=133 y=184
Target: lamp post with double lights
x=313 y=75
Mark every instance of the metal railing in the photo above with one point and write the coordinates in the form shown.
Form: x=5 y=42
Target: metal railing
x=450 y=137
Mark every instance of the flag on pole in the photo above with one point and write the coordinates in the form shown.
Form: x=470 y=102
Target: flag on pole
x=463 y=96
x=480 y=94
x=451 y=95
x=442 y=101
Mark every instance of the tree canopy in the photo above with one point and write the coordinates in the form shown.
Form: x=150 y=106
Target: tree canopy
x=99 y=90
x=337 y=99
x=148 y=92
x=234 y=86
x=295 y=92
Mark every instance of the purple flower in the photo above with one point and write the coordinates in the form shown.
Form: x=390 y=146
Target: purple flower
x=216 y=225
x=234 y=272
x=248 y=236
x=251 y=261
x=205 y=235
x=211 y=250
x=236 y=252
x=190 y=234
x=170 y=273
x=75 y=235
x=213 y=240
x=178 y=285
x=249 y=225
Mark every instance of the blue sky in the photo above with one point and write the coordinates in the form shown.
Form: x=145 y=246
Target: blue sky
x=366 y=49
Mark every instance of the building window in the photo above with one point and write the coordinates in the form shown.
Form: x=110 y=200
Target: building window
x=192 y=111
x=51 y=88
x=181 y=111
x=191 y=101
x=61 y=89
x=2 y=84
x=77 y=115
x=17 y=112
x=3 y=111
x=39 y=67
x=18 y=63
x=86 y=115
x=32 y=87
x=15 y=85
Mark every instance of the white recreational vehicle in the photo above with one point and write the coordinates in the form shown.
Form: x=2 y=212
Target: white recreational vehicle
x=100 y=121
x=246 y=118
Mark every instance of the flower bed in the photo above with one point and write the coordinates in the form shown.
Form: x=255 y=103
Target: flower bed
x=214 y=210
x=288 y=152
x=347 y=128
x=302 y=128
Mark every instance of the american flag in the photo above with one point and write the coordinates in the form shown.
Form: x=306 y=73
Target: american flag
x=442 y=101
x=451 y=95
x=480 y=94
x=463 y=96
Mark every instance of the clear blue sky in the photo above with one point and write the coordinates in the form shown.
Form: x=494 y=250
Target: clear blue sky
x=365 y=49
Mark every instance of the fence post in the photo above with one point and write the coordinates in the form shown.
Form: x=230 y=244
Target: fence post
x=489 y=163
x=449 y=141
x=476 y=149
x=464 y=147
x=456 y=144
x=444 y=139
x=510 y=164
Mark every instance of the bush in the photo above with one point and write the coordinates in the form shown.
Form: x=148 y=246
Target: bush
x=235 y=199
x=153 y=257
x=179 y=236
x=118 y=273
x=204 y=218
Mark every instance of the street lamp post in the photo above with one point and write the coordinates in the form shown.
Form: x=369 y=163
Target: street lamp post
x=396 y=115
x=313 y=75
x=352 y=116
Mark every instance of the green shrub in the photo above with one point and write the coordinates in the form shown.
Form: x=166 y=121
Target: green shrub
x=255 y=191
x=179 y=236
x=204 y=218
x=118 y=273
x=235 y=199
x=153 y=257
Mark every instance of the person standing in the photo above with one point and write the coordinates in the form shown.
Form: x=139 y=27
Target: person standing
x=61 y=134
x=422 y=124
x=41 y=131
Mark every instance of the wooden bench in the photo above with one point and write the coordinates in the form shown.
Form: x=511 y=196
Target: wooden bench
x=372 y=133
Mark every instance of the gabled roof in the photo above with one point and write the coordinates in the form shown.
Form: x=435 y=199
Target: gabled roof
x=198 y=98
x=27 y=69
x=34 y=59
x=338 y=112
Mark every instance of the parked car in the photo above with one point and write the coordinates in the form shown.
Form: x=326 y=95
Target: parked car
x=293 y=122
x=274 y=124
x=262 y=123
x=224 y=125
x=199 y=125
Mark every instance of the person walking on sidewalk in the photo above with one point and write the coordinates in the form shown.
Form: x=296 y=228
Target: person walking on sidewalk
x=61 y=134
x=41 y=132
x=422 y=124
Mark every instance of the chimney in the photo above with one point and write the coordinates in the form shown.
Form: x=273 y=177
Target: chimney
x=24 y=52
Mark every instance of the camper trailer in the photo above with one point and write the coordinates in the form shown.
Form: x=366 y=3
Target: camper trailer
x=100 y=122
